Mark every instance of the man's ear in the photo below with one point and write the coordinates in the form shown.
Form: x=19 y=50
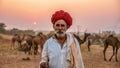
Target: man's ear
x=68 y=26
x=53 y=26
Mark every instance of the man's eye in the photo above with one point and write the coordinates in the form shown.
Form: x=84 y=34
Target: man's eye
x=62 y=25
x=57 y=25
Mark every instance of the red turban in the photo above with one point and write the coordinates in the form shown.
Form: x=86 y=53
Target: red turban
x=62 y=15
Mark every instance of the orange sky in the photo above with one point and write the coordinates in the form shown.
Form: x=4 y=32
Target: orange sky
x=88 y=14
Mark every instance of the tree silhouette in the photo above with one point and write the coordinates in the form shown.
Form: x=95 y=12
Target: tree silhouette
x=2 y=27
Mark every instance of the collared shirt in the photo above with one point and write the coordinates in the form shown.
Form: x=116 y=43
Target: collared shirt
x=56 y=56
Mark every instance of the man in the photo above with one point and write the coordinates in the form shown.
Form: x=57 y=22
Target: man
x=61 y=50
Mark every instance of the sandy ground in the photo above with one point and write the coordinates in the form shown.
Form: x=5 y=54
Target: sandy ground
x=94 y=59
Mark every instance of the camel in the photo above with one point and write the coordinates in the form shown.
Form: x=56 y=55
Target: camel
x=115 y=43
x=17 y=38
x=94 y=38
x=39 y=39
x=89 y=44
x=27 y=43
x=50 y=34
x=84 y=39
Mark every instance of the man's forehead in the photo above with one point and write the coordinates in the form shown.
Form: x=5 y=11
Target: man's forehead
x=61 y=21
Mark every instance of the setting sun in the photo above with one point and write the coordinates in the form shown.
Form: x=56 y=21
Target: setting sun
x=34 y=23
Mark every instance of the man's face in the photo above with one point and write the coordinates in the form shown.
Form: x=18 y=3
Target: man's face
x=60 y=27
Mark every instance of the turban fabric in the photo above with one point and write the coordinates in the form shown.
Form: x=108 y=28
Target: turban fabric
x=62 y=15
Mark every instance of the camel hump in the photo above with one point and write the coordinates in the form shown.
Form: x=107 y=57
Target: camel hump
x=111 y=35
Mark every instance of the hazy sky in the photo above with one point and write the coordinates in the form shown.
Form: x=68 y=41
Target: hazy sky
x=93 y=15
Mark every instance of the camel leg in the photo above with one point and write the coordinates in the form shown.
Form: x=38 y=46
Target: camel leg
x=40 y=50
x=105 y=48
x=12 y=45
x=116 y=54
x=19 y=45
x=35 y=49
x=88 y=47
x=89 y=44
x=113 y=53
x=32 y=50
x=30 y=46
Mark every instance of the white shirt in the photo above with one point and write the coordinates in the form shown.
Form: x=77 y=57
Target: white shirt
x=57 y=56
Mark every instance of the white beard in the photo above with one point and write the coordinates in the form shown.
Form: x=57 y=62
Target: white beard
x=60 y=33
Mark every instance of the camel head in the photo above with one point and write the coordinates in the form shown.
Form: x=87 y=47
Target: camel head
x=86 y=35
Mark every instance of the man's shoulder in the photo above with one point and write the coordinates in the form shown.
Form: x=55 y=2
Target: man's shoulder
x=49 y=39
x=69 y=33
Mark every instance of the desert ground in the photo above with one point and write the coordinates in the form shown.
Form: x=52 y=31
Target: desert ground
x=14 y=59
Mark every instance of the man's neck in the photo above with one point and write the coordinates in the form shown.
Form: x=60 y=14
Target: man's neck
x=61 y=40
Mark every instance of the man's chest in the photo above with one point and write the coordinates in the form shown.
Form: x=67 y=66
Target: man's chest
x=55 y=50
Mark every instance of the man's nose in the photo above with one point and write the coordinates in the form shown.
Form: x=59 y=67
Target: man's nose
x=59 y=27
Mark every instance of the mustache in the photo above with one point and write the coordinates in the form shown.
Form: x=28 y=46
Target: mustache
x=60 y=31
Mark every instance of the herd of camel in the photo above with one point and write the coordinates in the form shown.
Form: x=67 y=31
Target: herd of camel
x=30 y=44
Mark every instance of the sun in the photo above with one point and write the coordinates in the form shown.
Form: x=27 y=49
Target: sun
x=35 y=23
